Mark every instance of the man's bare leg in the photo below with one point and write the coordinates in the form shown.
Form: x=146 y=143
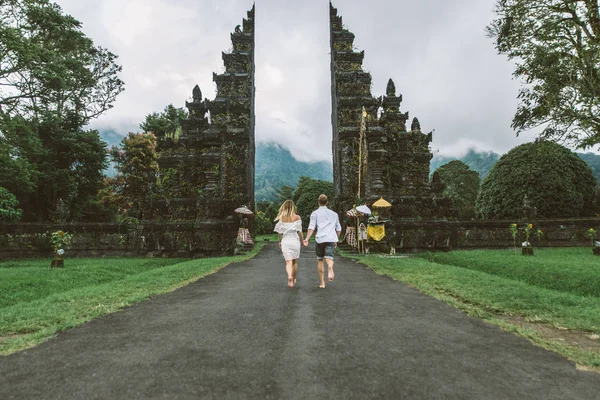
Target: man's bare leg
x=321 y=269
x=330 y=269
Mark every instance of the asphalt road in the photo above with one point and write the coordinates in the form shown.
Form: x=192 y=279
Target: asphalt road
x=242 y=334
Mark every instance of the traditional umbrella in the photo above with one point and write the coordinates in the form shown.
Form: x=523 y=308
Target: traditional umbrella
x=243 y=210
x=363 y=210
x=381 y=203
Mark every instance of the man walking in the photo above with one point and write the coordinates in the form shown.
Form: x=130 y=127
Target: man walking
x=328 y=233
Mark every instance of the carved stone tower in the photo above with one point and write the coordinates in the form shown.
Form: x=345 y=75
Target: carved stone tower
x=209 y=170
x=395 y=161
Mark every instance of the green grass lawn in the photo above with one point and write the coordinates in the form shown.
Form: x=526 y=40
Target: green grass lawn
x=572 y=270
x=37 y=302
x=557 y=287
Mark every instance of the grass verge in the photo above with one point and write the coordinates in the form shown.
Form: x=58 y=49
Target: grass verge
x=24 y=324
x=492 y=298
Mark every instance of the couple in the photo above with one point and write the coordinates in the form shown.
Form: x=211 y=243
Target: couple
x=289 y=229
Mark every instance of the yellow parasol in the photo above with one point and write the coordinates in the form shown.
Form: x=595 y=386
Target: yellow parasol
x=381 y=203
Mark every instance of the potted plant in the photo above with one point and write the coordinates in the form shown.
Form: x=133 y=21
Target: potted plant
x=526 y=248
x=591 y=234
x=58 y=240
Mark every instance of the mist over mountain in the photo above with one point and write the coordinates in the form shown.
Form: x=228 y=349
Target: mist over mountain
x=479 y=161
x=275 y=167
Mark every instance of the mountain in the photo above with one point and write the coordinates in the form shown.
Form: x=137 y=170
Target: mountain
x=275 y=167
x=593 y=161
x=112 y=138
x=480 y=162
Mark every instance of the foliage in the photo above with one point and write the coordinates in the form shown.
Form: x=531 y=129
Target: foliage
x=461 y=185
x=62 y=167
x=9 y=206
x=54 y=81
x=283 y=193
x=539 y=234
x=527 y=233
x=556 y=182
x=59 y=240
x=591 y=234
x=263 y=225
x=136 y=164
x=306 y=196
x=266 y=211
x=48 y=65
x=513 y=232
x=276 y=167
x=166 y=123
x=555 y=45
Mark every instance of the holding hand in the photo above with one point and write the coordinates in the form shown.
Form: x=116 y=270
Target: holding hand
x=305 y=243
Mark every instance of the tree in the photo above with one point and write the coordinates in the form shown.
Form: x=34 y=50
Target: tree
x=48 y=65
x=166 y=123
x=9 y=206
x=556 y=47
x=555 y=180
x=306 y=196
x=461 y=185
x=283 y=193
x=53 y=81
x=137 y=166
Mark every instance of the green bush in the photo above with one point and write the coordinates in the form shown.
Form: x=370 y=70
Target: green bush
x=557 y=183
x=461 y=185
x=306 y=197
x=9 y=206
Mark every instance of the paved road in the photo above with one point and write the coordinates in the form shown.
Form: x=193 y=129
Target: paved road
x=242 y=334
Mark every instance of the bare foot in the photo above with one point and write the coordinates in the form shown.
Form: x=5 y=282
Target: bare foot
x=290 y=282
x=330 y=274
x=322 y=286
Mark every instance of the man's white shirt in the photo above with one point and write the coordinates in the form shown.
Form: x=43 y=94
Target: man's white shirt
x=327 y=223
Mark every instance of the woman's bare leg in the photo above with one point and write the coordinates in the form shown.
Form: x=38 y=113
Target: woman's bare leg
x=289 y=270
x=294 y=269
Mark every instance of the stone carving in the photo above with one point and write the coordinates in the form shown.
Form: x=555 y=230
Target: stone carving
x=397 y=162
x=391 y=88
x=415 y=126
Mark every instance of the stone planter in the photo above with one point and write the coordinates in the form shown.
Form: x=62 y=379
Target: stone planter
x=527 y=251
x=596 y=251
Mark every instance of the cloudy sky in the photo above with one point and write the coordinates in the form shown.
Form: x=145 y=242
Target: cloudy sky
x=435 y=50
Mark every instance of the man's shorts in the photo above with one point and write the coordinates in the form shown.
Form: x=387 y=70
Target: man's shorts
x=325 y=250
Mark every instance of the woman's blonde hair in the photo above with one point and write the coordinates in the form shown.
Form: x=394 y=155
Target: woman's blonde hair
x=286 y=211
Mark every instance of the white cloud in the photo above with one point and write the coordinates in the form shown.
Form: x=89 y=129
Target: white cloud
x=435 y=50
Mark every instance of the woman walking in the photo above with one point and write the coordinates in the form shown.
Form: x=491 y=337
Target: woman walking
x=289 y=229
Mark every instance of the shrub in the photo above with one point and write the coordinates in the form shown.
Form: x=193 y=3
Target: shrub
x=557 y=183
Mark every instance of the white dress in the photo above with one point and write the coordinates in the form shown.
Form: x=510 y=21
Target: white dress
x=290 y=242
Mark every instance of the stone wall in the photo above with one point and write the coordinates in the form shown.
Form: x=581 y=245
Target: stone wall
x=189 y=239
x=169 y=239
x=449 y=235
